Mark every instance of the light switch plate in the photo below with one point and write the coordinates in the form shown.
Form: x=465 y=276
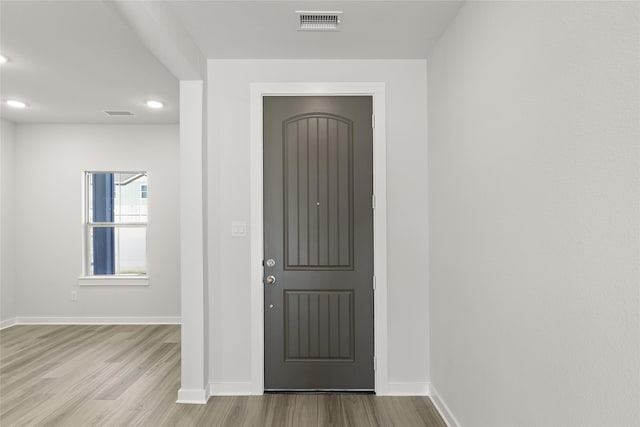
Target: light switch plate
x=238 y=228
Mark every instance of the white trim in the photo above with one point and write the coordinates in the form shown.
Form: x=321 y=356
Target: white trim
x=8 y=323
x=162 y=320
x=113 y=281
x=377 y=91
x=408 y=389
x=193 y=396
x=230 y=389
x=442 y=408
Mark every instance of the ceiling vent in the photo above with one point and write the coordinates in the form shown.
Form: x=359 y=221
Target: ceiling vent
x=118 y=113
x=319 y=21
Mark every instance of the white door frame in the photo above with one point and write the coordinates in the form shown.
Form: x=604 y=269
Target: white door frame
x=377 y=92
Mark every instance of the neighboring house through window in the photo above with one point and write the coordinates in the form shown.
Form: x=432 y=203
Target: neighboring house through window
x=116 y=223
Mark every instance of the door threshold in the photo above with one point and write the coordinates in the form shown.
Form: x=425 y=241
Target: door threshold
x=319 y=391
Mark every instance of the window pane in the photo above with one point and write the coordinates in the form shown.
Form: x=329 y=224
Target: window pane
x=131 y=252
x=101 y=193
x=119 y=197
x=102 y=250
x=130 y=201
x=118 y=250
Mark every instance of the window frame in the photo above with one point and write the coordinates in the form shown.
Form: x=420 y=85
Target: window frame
x=88 y=278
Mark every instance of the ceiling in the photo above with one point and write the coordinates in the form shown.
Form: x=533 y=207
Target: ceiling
x=72 y=60
x=267 y=29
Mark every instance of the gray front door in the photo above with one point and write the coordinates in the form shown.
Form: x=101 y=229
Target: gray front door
x=318 y=243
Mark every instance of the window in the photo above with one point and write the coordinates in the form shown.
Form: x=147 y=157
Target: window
x=116 y=224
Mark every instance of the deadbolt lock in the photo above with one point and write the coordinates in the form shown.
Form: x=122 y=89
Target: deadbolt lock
x=270 y=262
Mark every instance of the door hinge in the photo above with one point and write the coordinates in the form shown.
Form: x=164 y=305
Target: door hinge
x=373 y=121
x=374 y=283
x=373 y=201
x=375 y=363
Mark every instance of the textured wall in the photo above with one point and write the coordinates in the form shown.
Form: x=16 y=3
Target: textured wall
x=229 y=197
x=49 y=164
x=534 y=129
x=7 y=279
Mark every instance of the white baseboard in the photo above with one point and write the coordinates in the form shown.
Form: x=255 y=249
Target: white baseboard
x=163 y=320
x=193 y=396
x=231 y=389
x=407 y=389
x=442 y=408
x=7 y=323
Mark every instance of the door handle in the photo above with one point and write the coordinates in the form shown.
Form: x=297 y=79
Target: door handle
x=271 y=280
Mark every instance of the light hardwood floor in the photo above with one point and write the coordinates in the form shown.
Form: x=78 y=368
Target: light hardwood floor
x=76 y=376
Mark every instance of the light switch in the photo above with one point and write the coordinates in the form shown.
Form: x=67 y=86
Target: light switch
x=238 y=228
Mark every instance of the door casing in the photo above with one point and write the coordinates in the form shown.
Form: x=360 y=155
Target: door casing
x=377 y=92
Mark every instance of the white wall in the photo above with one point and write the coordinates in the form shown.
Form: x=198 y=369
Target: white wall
x=229 y=197
x=7 y=288
x=534 y=130
x=49 y=164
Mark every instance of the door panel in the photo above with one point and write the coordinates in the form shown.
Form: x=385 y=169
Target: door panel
x=318 y=228
x=318 y=325
x=318 y=178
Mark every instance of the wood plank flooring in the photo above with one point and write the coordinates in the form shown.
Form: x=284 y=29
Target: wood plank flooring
x=98 y=375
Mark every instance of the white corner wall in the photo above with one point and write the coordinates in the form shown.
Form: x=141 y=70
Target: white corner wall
x=7 y=286
x=534 y=167
x=194 y=302
x=49 y=164
x=229 y=200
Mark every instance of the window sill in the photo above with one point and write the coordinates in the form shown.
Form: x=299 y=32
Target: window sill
x=113 y=281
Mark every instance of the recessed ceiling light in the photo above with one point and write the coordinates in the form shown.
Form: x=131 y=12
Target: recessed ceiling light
x=3 y=59
x=15 y=103
x=154 y=104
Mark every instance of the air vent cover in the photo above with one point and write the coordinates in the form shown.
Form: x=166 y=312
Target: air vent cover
x=319 y=21
x=118 y=113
